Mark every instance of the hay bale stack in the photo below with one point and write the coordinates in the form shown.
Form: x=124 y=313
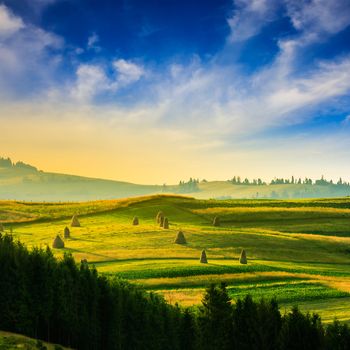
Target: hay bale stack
x=216 y=221
x=135 y=221
x=75 y=222
x=204 y=259
x=58 y=243
x=159 y=217
x=166 y=223
x=66 y=232
x=180 y=238
x=2 y=229
x=243 y=257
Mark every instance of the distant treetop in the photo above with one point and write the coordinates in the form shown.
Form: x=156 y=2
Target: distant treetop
x=7 y=163
x=236 y=180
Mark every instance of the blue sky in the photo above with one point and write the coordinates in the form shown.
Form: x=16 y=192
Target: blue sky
x=157 y=91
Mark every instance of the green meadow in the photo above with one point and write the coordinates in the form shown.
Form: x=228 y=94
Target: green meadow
x=298 y=250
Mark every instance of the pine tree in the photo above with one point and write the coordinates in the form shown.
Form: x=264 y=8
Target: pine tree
x=215 y=318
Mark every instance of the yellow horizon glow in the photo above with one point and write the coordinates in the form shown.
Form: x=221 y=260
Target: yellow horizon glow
x=132 y=151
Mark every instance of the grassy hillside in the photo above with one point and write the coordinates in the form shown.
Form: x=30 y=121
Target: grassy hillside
x=11 y=341
x=298 y=250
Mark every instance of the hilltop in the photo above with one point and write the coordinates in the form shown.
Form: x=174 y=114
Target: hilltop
x=21 y=181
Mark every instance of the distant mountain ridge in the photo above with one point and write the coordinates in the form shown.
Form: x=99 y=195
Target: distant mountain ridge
x=21 y=181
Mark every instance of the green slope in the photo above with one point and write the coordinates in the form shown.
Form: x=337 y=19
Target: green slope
x=298 y=250
x=12 y=341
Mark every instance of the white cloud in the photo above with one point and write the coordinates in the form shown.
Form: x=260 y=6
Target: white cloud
x=9 y=23
x=128 y=72
x=314 y=18
x=24 y=51
x=93 y=41
x=91 y=80
x=319 y=16
x=249 y=17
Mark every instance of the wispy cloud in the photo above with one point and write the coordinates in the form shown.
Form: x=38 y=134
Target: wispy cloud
x=92 y=43
x=249 y=17
x=128 y=72
x=9 y=23
x=93 y=79
x=24 y=51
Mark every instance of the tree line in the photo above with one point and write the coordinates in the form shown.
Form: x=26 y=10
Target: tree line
x=237 y=180
x=7 y=163
x=59 y=301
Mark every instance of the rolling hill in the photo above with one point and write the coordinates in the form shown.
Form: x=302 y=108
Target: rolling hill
x=21 y=181
x=298 y=250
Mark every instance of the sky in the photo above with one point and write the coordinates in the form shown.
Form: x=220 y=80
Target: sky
x=162 y=90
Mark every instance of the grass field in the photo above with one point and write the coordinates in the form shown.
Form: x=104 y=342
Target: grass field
x=298 y=250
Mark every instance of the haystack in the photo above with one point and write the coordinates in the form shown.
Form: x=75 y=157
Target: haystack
x=180 y=238
x=135 y=221
x=66 y=232
x=216 y=221
x=58 y=243
x=166 y=223
x=161 y=221
x=75 y=222
x=159 y=217
x=204 y=259
x=243 y=258
x=2 y=229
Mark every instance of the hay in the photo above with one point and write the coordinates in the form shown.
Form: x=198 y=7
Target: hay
x=135 y=221
x=159 y=217
x=58 y=243
x=204 y=259
x=180 y=238
x=2 y=229
x=243 y=257
x=66 y=232
x=216 y=221
x=165 y=223
x=161 y=221
x=75 y=222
